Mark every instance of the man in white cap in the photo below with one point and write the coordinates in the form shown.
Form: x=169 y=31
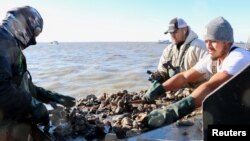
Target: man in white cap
x=224 y=61
x=182 y=54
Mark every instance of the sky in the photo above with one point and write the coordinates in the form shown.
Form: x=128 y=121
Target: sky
x=130 y=20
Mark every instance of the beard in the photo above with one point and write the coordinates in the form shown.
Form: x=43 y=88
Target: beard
x=214 y=58
x=223 y=53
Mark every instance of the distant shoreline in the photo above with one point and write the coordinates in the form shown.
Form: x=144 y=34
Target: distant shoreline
x=240 y=44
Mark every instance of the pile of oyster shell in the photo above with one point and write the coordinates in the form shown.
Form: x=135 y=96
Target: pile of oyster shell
x=122 y=114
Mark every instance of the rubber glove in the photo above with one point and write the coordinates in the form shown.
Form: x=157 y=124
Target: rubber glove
x=159 y=76
x=155 y=91
x=170 y=114
x=66 y=101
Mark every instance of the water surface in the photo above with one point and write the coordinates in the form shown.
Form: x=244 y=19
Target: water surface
x=79 y=69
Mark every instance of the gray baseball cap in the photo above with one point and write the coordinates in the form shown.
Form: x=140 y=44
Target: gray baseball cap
x=175 y=24
x=219 y=29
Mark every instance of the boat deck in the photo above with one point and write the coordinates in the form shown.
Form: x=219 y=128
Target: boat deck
x=173 y=132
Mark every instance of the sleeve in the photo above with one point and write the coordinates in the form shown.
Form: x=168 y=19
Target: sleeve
x=235 y=62
x=164 y=59
x=42 y=94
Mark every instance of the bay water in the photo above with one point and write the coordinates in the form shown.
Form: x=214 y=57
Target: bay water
x=82 y=68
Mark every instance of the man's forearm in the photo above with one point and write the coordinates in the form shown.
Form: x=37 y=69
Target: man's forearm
x=206 y=88
x=175 y=82
x=181 y=79
x=200 y=93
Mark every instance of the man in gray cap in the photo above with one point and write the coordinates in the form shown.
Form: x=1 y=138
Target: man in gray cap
x=182 y=54
x=224 y=61
x=20 y=100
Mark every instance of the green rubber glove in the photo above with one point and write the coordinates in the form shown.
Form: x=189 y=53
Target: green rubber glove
x=66 y=101
x=170 y=114
x=155 y=91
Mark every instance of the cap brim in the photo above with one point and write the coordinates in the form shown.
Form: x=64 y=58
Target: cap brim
x=169 y=31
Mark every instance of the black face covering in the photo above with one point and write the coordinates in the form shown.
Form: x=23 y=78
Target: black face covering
x=32 y=41
x=24 y=24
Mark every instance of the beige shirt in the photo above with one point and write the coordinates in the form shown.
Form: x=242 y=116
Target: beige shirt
x=192 y=50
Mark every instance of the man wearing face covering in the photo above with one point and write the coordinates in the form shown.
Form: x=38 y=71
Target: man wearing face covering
x=19 y=98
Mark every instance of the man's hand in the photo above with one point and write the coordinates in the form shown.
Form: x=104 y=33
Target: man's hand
x=160 y=117
x=155 y=91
